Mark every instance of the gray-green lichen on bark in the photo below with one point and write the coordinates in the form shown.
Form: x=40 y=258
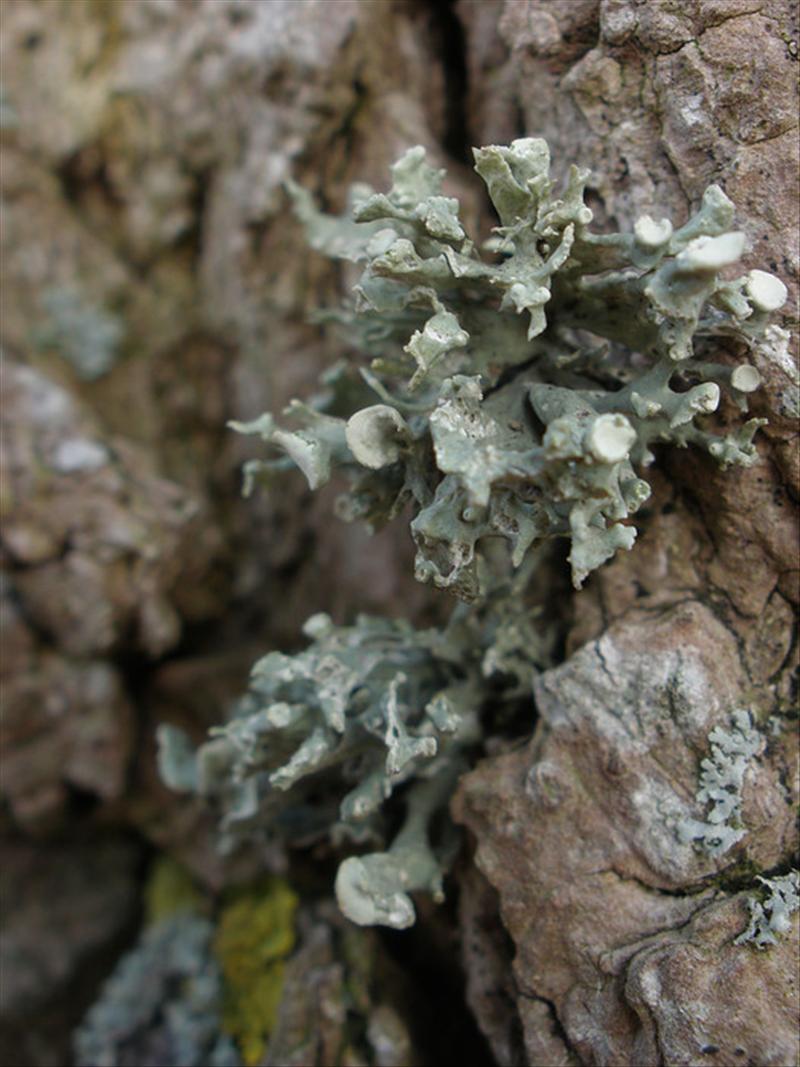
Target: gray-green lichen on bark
x=771 y=917
x=539 y=379
x=324 y=738
x=162 y=1002
x=521 y=408
x=721 y=783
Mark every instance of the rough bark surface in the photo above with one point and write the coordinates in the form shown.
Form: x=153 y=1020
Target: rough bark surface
x=155 y=285
x=67 y=910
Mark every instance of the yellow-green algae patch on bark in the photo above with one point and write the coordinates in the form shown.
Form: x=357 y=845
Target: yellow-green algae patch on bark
x=254 y=936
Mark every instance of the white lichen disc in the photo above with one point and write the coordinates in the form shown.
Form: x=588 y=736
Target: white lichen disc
x=650 y=233
x=375 y=435
x=745 y=378
x=610 y=438
x=766 y=292
x=711 y=253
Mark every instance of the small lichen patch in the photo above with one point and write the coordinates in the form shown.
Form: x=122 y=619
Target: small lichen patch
x=771 y=915
x=164 y=994
x=88 y=337
x=721 y=782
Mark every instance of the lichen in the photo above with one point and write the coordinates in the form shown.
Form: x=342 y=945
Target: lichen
x=87 y=336
x=199 y=987
x=363 y=711
x=514 y=395
x=721 y=783
x=162 y=1002
x=520 y=392
x=325 y=737
x=771 y=916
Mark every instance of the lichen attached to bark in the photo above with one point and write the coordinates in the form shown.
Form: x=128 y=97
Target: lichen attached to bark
x=514 y=395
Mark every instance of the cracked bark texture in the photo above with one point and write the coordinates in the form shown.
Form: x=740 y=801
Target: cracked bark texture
x=623 y=936
x=156 y=285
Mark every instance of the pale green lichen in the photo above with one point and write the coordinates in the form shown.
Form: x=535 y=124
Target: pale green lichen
x=326 y=736
x=521 y=394
x=771 y=916
x=88 y=337
x=374 y=889
x=162 y=1004
x=513 y=395
x=198 y=988
x=721 y=782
